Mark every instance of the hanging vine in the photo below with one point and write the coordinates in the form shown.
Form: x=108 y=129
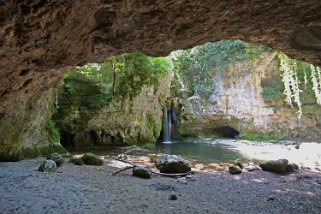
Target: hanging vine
x=316 y=82
x=291 y=83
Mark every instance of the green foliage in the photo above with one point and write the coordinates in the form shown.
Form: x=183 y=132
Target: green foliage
x=94 y=86
x=197 y=63
x=261 y=137
x=272 y=93
x=54 y=135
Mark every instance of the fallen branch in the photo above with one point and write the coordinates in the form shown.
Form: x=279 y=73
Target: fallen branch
x=124 y=161
x=170 y=175
x=126 y=168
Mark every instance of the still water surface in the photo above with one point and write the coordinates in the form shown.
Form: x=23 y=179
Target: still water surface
x=192 y=151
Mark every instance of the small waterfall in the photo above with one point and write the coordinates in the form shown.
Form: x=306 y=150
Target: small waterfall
x=169 y=124
x=166 y=134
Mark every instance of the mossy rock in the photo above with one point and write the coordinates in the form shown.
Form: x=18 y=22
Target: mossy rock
x=47 y=150
x=91 y=159
x=238 y=163
x=76 y=161
x=48 y=166
x=58 y=158
x=234 y=170
x=141 y=172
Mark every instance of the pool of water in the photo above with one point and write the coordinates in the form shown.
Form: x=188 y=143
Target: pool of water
x=200 y=152
x=192 y=151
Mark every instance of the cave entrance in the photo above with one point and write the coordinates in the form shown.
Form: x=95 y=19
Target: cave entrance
x=227 y=132
x=67 y=139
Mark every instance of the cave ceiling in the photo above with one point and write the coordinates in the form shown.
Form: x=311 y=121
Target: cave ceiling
x=41 y=39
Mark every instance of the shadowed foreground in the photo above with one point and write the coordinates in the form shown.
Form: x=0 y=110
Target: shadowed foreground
x=90 y=189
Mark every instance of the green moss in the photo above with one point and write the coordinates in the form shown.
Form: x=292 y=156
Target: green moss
x=29 y=153
x=58 y=158
x=261 y=137
x=53 y=131
x=47 y=150
x=153 y=125
x=19 y=154
x=272 y=93
x=91 y=159
x=76 y=161
x=8 y=157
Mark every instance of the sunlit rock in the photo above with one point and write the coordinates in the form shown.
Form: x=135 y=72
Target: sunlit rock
x=172 y=164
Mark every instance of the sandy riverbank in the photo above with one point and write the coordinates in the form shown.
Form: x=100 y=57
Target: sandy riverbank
x=90 y=189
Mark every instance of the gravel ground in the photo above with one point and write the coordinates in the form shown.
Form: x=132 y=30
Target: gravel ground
x=91 y=189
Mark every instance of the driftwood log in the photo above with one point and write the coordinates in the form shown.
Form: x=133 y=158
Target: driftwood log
x=170 y=175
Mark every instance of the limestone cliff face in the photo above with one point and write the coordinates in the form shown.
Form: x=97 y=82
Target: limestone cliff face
x=122 y=106
x=240 y=98
x=28 y=127
x=135 y=121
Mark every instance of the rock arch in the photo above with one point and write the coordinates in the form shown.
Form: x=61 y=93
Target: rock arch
x=41 y=39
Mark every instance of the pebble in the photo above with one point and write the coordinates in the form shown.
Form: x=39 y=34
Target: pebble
x=173 y=197
x=182 y=180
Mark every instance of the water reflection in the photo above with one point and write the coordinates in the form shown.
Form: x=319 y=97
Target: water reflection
x=192 y=151
x=202 y=153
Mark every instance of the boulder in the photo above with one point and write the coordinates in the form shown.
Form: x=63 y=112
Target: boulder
x=142 y=172
x=234 y=170
x=172 y=164
x=91 y=159
x=238 y=163
x=292 y=167
x=58 y=158
x=277 y=166
x=76 y=161
x=48 y=166
x=252 y=167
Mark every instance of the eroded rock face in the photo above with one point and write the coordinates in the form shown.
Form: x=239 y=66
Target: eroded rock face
x=41 y=39
x=28 y=124
x=247 y=98
x=43 y=36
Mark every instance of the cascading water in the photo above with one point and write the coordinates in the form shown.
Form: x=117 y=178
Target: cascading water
x=169 y=124
x=166 y=134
